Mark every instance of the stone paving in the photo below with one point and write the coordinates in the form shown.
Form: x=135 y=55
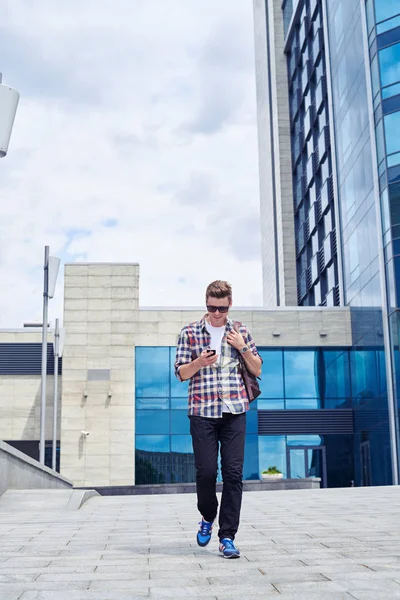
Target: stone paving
x=303 y=544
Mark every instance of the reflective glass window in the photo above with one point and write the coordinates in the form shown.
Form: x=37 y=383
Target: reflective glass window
x=153 y=443
x=364 y=374
x=391 y=90
x=251 y=421
x=180 y=422
x=338 y=26
x=317 y=294
x=354 y=267
x=250 y=466
x=301 y=373
x=271 y=404
x=314 y=243
x=375 y=76
x=178 y=388
x=388 y=25
x=330 y=278
x=394 y=201
x=304 y=440
x=303 y=404
x=385 y=9
x=370 y=14
x=342 y=77
x=389 y=60
x=272 y=373
x=392 y=132
x=337 y=373
x=152 y=421
x=144 y=403
x=380 y=141
x=152 y=372
x=272 y=452
x=182 y=444
x=179 y=403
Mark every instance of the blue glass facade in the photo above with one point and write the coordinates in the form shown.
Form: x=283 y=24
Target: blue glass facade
x=295 y=379
x=354 y=168
x=316 y=255
x=383 y=30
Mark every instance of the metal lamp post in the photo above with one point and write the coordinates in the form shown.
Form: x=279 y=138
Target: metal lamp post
x=51 y=266
x=58 y=350
x=9 y=99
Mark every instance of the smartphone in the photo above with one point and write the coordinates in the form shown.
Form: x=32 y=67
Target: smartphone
x=212 y=352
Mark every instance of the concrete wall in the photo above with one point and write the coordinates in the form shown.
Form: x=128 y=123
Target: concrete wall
x=20 y=472
x=100 y=312
x=296 y=326
x=20 y=396
x=275 y=162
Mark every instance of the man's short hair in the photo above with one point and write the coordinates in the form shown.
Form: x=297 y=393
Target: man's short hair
x=219 y=289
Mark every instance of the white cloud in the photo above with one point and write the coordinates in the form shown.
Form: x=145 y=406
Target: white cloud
x=135 y=141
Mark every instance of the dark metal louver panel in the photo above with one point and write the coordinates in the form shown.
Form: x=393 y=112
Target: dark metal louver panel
x=306 y=422
x=26 y=359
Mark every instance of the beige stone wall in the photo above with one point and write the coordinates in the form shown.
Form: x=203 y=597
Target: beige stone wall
x=20 y=407
x=20 y=396
x=296 y=327
x=100 y=311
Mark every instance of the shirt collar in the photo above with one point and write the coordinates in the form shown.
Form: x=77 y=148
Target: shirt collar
x=228 y=325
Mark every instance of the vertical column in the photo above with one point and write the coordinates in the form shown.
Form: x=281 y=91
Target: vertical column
x=101 y=305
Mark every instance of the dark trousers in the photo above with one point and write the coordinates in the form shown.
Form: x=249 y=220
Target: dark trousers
x=208 y=434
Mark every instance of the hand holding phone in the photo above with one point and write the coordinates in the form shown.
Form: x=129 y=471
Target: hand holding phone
x=207 y=357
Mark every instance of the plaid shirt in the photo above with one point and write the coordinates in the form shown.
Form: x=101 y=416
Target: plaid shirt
x=210 y=387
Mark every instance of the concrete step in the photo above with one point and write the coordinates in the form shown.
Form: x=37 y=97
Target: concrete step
x=44 y=500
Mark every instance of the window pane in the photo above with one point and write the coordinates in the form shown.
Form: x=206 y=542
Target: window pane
x=182 y=444
x=297 y=464
x=392 y=132
x=180 y=422
x=364 y=374
x=252 y=421
x=182 y=459
x=152 y=459
x=389 y=60
x=301 y=374
x=304 y=440
x=250 y=465
x=273 y=404
x=303 y=404
x=152 y=372
x=272 y=452
x=385 y=9
x=178 y=388
x=272 y=374
x=152 y=443
x=152 y=421
x=152 y=403
x=180 y=403
x=337 y=373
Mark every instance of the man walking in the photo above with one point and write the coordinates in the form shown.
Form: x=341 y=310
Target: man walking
x=208 y=355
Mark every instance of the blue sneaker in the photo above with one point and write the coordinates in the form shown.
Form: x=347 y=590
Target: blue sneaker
x=204 y=533
x=227 y=549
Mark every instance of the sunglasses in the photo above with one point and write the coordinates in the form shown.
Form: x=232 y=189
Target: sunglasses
x=221 y=309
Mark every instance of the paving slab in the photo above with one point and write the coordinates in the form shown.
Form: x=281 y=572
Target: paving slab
x=340 y=544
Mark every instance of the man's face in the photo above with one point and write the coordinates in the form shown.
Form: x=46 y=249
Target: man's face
x=217 y=318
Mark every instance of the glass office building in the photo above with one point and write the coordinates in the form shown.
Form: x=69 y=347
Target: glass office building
x=341 y=120
x=339 y=392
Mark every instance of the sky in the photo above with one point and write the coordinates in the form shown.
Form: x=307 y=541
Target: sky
x=135 y=140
